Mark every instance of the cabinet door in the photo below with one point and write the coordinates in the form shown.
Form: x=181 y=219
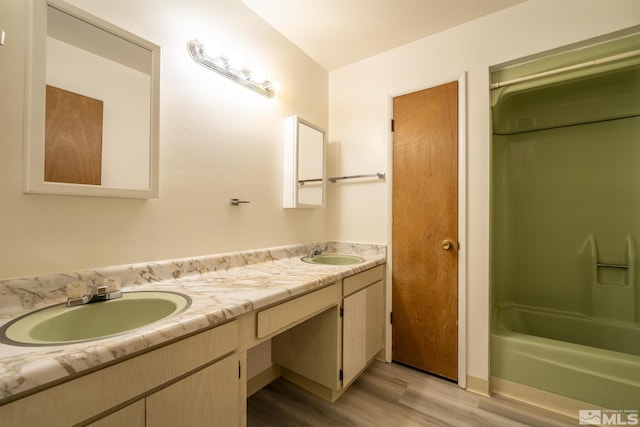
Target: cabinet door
x=362 y=330
x=209 y=397
x=130 y=416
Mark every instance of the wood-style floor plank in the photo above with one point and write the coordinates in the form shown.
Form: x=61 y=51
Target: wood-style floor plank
x=389 y=395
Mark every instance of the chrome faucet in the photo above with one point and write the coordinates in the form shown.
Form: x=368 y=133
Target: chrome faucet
x=315 y=252
x=81 y=293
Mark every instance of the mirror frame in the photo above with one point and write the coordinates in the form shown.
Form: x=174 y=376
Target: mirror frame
x=34 y=123
x=292 y=161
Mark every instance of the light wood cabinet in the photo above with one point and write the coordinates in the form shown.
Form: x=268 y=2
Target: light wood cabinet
x=288 y=313
x=322 y=340
x=85 y=398
x=327 y=352
x=208 y=397
x=362 y=330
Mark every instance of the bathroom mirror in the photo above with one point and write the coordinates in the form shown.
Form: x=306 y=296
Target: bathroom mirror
x=91 y=106
x=304 y=164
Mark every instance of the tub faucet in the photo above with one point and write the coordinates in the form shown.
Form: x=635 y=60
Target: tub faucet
x=315 y=252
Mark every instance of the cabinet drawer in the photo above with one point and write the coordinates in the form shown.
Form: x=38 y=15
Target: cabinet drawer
x=289 y=313
x=359 y=281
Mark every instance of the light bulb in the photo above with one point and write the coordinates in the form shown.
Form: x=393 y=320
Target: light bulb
x=276 y=85
x=237 y=62
x=258 y=76
x=212 y=49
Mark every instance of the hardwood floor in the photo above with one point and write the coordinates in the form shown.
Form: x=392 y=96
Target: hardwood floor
x=392 y=395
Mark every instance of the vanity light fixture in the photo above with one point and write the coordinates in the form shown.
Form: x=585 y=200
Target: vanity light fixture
x=233 y=67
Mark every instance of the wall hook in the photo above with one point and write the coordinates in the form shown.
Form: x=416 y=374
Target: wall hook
x=236 y=202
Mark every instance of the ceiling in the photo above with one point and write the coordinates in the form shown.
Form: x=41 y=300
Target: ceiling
x=339 y=32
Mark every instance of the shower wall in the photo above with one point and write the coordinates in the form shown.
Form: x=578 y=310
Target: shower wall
x=566 y=192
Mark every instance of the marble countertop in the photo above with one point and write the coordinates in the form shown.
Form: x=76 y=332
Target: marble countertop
x=222 y=287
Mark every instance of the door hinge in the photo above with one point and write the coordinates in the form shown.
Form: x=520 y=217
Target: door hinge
x=340 y=375
x=393 y=125
x=341 y=311
x=391 y=317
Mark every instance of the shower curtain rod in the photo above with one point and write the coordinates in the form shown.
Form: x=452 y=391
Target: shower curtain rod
x=580 y=66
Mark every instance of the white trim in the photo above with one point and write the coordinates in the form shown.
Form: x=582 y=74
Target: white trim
x=462 y=230
x=389 y=215
x=462 y=225
x=478 y=386
x=539 y=398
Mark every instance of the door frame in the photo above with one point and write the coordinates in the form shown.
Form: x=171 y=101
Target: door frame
x=462 y=222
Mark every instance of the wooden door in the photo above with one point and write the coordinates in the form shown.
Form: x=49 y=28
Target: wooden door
x=425 y=230
x=72 y=138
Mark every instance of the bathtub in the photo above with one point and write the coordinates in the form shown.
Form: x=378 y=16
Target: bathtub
x=566 y=354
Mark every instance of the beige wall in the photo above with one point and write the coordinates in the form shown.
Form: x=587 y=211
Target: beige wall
x=359 y=104
x=218 y=140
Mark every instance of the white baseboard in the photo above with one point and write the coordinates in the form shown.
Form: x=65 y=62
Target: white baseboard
x=540 y=398
x=477 y=385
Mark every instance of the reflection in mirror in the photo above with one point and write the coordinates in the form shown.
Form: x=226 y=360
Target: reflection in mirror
x=304 y=164
x=92 y=106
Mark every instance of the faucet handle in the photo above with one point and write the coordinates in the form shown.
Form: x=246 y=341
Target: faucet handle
x=77 y=289
x=113 y=283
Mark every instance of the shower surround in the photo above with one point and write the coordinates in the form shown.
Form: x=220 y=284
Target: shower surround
x=565 y=228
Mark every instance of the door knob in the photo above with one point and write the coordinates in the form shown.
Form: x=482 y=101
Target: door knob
x=447 y=244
